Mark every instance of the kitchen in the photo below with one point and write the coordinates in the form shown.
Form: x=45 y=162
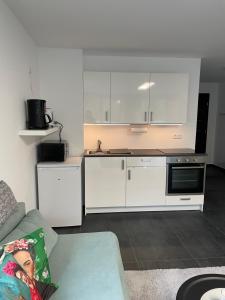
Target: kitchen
x=123 y=180
x=144 y=111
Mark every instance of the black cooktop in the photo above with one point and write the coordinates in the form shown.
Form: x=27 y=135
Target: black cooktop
x=178 y=151
x=147 y=152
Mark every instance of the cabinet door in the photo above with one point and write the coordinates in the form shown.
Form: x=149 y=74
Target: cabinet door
x=96 y=97
x=146 y=186
x=129 y=98
x=59 y=193
x=105 y=179
x=169 y=98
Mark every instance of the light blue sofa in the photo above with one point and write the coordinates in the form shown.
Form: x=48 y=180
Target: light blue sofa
x=86 y=266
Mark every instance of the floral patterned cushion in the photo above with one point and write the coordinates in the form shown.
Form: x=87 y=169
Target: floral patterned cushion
x=7 y=202
x=24 y=269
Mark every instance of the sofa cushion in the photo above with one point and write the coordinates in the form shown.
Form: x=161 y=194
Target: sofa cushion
x=32 y=221
x=24 y=269
x=7 y=202
x=88 y=266
x=13 y=220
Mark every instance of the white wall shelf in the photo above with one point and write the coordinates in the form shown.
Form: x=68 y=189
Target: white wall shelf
x=37 y=132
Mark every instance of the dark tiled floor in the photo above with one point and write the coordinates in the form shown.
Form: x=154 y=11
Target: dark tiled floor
x=152 y=240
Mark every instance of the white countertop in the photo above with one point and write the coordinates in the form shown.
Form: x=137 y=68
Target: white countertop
x=73 y=161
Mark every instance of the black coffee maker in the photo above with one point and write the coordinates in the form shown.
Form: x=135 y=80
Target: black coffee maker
x=36 y=114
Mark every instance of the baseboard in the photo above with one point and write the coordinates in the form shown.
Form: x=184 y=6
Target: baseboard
x=139 y=209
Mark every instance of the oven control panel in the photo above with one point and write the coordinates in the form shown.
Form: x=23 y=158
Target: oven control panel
x=197 y=159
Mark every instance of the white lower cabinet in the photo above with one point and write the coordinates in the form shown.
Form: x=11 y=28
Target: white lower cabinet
x=120 y=184
x=146 y=181
x=105 y=181
x=146 y=186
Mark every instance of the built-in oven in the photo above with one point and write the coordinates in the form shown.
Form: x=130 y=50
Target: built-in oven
x=186 y=175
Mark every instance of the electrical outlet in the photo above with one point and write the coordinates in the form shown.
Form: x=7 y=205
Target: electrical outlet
x=177 y=136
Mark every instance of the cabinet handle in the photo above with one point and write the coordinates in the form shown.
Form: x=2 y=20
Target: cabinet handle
x=106 y=116
x=145 y=116
x=151 y=116
x=129 y=174
x=185 y=199
x=122 y=164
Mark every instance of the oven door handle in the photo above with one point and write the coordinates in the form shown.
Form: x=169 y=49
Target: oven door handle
x=193 y=167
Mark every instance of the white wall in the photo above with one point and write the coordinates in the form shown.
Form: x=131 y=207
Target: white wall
x=157 y=137
x=212 y=89
x=220 y=128
x=61 y=84
x=17 y=155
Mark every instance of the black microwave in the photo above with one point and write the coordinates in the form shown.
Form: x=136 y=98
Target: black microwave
x=52 y=151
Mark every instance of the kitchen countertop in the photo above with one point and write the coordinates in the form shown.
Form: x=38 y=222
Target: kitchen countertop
x=145 y=152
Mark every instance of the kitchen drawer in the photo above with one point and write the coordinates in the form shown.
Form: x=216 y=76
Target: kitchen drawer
x=185 y=200
x=148 y=161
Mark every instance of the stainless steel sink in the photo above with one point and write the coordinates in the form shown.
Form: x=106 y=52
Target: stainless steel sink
x=112 y=152
x=98 y=152
x=121 y=151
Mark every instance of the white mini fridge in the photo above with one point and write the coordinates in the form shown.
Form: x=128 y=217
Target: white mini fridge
x=59 y=192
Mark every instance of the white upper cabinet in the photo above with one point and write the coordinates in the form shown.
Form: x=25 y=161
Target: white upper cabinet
x=96 y=97
x=168 y=98
x=129 y=97
x=135 y=98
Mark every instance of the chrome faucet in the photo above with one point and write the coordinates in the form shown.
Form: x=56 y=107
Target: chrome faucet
x=99 y=149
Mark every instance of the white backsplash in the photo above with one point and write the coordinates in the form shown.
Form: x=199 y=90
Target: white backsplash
x=113 y=137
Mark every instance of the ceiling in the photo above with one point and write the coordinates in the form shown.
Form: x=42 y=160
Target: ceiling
x=178 y=28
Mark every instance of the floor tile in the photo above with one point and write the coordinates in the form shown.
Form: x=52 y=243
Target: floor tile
x=131 y=265
x=158 y=246
x=199 y=237
x=149 y=265
x=68 y=230
x=115 y=225
x=168 y=264
x=126 y=250
x=211 y=262
x=94 y=223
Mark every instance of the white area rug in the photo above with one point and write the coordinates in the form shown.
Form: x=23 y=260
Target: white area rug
x=162 y=284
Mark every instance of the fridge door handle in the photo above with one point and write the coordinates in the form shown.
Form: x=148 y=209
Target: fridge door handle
x=146 y=116
x=106 y=116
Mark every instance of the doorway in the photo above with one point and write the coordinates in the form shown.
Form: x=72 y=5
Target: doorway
x=202 y=123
